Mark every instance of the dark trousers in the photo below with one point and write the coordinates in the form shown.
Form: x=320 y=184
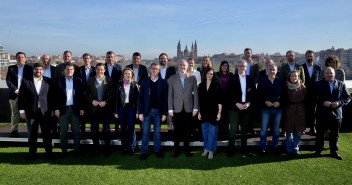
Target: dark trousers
x=127 y=116
x=104 y=119
x=32 y=126
x=323 y=124
x=310 y=114
x=182 y=128
x=238 y=118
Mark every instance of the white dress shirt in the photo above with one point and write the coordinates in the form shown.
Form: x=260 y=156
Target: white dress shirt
x=47 y=72
x=243 y=87
x=69 y=91
x=163 y=72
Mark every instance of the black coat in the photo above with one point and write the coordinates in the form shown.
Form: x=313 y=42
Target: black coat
x=209 y=101
x=132 y=98
x=234 y=92
x=12 y=78
x=142 y=73
x=28 y=97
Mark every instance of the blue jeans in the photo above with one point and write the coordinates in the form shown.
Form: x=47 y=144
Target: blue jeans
x=210 y=133
x=127 y=115
x=152 y=114
x=267 y=116
x=292 y=141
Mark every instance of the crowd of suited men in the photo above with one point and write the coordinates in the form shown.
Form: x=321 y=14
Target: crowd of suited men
x=189 y=101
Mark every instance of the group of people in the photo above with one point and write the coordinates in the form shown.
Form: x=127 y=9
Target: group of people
x=300 y=96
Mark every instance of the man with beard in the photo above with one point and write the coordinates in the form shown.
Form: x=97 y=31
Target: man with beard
x=312 y=73
x=291 y=65
x=34 y=103
x=59 y=71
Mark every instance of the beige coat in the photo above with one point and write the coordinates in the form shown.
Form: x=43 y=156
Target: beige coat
x=179 y=97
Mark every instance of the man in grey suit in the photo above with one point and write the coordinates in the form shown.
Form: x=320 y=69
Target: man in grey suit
x=182 y=105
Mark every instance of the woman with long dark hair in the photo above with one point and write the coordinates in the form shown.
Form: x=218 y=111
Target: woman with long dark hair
x=210 y=108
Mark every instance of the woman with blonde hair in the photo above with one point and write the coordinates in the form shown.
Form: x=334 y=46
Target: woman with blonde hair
x=126 y=108
x=206 y=63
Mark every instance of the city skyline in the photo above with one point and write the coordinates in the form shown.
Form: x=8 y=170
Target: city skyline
x=38 y=27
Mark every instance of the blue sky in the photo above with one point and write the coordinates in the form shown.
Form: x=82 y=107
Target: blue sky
x=153 y=27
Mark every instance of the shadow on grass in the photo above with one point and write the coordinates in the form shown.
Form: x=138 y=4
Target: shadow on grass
x=133 y=162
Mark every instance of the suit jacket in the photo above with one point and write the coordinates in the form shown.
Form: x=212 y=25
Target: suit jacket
x=234 y=92
x=52 y=72
x=262 y=74
x=285 y=69
x=115 y=74
x=28 y=97
x=309 y=81
x=12 y=78
x=253 y=72
x=59 y=71
x=321 y=92
x=81 y=73
x=171 y=70
x=183 y=98
x=142 y=73
x=61 y=96
x=121 y=95
x=144 y=97
x=91 y=95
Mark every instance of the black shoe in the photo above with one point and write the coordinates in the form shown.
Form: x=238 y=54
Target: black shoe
x=95 y=153
x=63 y=154
x=77 y=153
x=159 y=155
x=107 y=152
x=277 y=152
x=14 y=134
x=230 y=153
x=317 y=154
x=124 y=152
x=31 y=158
x=248 y=154
x=336 y=156
x=188 y=154
x=144 y=156
x=175 y=154
x=262 y=152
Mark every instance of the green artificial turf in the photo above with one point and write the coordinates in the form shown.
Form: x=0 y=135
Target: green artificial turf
x=118 y=169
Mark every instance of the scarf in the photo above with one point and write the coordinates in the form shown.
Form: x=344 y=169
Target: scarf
x=126 y=83
x=292 y=86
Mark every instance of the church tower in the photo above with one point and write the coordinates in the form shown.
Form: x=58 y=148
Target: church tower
x=179 y=52
x=195 y=52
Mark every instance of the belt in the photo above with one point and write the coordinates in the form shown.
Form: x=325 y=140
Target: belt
x=69 y=106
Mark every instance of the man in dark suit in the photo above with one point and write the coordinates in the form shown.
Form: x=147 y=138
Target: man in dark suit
x=141 y=73
x=99 y=93
x=34 y=103
x=165 y=72
x=84 y=72
x=182 y=104
x=59 y=71
x=291 y=65
x=152 y=105
x=114 y=72
x=312 y=73
x=15 y=74
x=330 y=95
x=49 y=71
x=139 y=70
x=68 y=107
x=240 y=95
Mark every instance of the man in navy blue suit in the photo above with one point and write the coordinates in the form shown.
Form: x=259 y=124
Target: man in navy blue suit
x=312 y=73
x=330 y=95
x=68 y=107
x=34 y=103
x=84 y=72
x=152 y=105
x=113 y=71
x=15 y=74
